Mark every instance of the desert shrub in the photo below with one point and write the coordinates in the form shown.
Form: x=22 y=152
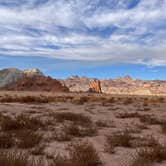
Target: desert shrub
x=123 y=138
x=6 y=99
x=14 y=159
x=28 y=138
x=80 y=100
x=24 y=99
x=149 y=119
x=20 y=122
x=111 y=100
x=76 y=118
x=161 y=99
x=77 y=131
x=147 y=156
x=61 y=161
x=163 y=127
x=80 y=154
x=103 y=123
x=6 y=140
x=38 y=150
x=128 y=101
x=128 y=115
x=8 y=123
x=62 y=136
x=83 y=154
x=148 y=141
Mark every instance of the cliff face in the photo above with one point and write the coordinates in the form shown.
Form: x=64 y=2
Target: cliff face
x=95 y=86
x=122 y=85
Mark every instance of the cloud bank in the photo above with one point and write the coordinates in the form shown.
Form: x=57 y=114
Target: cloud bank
x=119 y=31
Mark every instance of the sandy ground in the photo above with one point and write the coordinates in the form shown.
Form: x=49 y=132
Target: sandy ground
x=97 y=110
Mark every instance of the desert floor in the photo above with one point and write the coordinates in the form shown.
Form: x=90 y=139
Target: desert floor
x=121 y=130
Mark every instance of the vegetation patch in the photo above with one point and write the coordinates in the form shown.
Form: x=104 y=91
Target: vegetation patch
x=80 y=154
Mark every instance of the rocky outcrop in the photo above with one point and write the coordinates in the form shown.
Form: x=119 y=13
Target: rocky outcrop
x=36 y=83
x=95 y=86
x=10 y=75
x=77 y=84
x=29 y=80
x=33 y=72
x=121 y=85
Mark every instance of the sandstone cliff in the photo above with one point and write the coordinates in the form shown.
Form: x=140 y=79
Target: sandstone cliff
x=121 y=85
x=95 y=86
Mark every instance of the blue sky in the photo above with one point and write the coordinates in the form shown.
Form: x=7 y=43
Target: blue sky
x=99 y=38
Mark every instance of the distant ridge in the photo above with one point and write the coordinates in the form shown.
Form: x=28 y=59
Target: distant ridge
x=29 y=80
x=120 y=85
x=35 y=80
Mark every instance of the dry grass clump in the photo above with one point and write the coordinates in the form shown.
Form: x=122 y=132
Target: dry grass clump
x=128 y=115
x=141 y=126
x=148 y=156
x=145 y=101
x=38 y=150
x=111 y=100
x=148 y=141
x=62 y=136
x=6 y=140
x=76 y=118
x=128 y=101
x=20 y=122
x=123 y=138
x=157 y=99
x=149 y=119
x=80 y=154
x=34 y=99
x=20 y=131
x=71 y=130
x=28 y=138
x=163 y=127
x=23 y=99
x=77 y=125
x=104 y=123
x=161 y=100
x=79 y=100
x=61 y=161
x=15 y=159
x=94 y=98
x=79 y=131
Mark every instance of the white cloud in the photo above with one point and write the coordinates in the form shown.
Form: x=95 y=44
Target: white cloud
x=140 y=36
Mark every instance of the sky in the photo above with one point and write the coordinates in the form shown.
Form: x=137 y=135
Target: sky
x=99 y=38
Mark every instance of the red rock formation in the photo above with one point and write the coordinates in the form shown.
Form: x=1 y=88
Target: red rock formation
x=37 y=83
x=122 y=85
x=95 y=86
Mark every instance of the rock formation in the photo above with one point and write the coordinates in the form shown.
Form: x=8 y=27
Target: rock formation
x=36 y=83
x=95 y=86
x=10 y=75
x=34 y=80
x=33 y=72
x=121 y=85
x=29 y=80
